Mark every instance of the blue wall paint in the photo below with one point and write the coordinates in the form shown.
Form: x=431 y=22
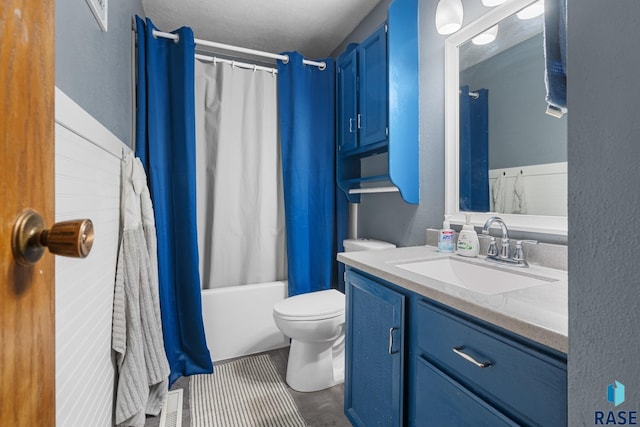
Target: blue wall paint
x=94 y=67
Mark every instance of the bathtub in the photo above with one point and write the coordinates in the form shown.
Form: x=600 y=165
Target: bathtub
x=238 y=320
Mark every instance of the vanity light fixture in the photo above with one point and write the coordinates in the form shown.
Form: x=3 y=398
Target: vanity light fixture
x=492 y=3
x=486 y=37
x=532 y=11
x=449 y=14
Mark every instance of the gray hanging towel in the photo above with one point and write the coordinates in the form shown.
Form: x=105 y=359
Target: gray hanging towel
x=137 y=329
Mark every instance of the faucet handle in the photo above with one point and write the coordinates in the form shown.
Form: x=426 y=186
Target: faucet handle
x=520 y=242
x=519 y=253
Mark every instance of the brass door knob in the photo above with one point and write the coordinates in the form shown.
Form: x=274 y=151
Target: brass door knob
x=68 y=238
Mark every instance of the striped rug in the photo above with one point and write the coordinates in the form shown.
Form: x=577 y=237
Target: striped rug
x=247 y=392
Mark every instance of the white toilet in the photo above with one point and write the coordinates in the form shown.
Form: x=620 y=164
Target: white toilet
x=315 y=324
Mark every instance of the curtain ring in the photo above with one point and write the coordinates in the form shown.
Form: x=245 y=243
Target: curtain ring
x=254 y=68
x=323 y=66
x=286 y=59
x=233 y=64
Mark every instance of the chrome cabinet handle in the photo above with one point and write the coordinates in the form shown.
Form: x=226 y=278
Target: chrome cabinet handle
x=391 y=340
x=350 y=125
x=457 y=350
x=359 y=117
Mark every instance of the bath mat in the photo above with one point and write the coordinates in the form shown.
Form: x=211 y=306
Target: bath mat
x=247 y=392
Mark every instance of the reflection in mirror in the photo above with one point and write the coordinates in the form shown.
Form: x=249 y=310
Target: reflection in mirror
x=504 y=153
x=512 y=154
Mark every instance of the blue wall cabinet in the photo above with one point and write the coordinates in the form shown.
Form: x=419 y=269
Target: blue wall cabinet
x=347 y=107
x=377 y=105
x=455 y=370
x=374 y=353
x=373 y=89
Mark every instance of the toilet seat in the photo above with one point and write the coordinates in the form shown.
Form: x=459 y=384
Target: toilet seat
x=311 y=306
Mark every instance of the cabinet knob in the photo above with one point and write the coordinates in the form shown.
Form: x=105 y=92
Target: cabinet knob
x=68 y=238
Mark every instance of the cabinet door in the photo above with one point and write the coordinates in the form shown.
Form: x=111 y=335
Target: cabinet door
x=373 y=95
x=347 y=101
x=374 y=353
x=441 y=401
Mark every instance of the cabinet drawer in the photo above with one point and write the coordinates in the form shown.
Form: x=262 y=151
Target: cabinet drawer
x=441 y=401
x=523 y=382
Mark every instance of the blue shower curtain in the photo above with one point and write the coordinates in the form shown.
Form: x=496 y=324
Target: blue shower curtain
x=555 y=54
x=306 y=105
x=165 y=143
x=474 y=151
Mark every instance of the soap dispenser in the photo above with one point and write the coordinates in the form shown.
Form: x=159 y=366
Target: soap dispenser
x=445 y=239
x=468 y=244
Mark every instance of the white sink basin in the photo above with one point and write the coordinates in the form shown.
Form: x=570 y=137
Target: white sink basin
x=484 y=279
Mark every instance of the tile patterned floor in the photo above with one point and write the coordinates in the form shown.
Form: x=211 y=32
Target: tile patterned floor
x=320 y=409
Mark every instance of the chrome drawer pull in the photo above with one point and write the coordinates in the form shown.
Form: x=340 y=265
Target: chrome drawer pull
x=457 y=350
x=391 y=341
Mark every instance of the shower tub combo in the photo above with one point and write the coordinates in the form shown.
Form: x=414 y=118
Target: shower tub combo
x=238 y=320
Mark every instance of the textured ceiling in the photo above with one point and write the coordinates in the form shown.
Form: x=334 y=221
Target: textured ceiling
x=313 y=27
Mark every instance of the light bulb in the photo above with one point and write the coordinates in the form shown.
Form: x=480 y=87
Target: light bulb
x=449 y=14
x=486 y=37
x=532 y=11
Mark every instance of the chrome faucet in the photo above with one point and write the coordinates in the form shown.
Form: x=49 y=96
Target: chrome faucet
x=504 y=256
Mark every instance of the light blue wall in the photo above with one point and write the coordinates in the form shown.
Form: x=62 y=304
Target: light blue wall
x=604 y=206
x=94 y=67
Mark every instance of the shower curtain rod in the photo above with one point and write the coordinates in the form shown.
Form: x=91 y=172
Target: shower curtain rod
x=246 y=65
x=284 y=58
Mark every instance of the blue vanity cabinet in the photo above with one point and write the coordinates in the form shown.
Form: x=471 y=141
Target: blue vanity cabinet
x=502 y=376
x=411 y=361
x=441 y=401
x=374 y=353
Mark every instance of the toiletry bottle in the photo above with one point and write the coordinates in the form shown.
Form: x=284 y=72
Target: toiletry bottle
x=445 y=239
x=468 y=244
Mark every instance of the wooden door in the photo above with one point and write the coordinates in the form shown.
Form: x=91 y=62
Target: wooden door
x=27 y=364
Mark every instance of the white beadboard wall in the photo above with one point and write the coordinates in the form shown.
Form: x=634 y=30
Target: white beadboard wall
x=545 y=187
x=87 y=185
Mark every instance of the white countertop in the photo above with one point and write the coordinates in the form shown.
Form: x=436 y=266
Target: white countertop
x=539 y=313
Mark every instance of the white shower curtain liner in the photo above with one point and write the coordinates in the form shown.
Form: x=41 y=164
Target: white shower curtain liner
x=241 y=231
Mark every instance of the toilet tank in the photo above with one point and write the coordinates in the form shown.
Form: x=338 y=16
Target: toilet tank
x=352 y=245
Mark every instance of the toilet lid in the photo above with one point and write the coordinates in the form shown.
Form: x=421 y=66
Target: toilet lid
x=311 y=306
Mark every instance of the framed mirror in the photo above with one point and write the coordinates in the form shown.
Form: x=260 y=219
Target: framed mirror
x=504 y=154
